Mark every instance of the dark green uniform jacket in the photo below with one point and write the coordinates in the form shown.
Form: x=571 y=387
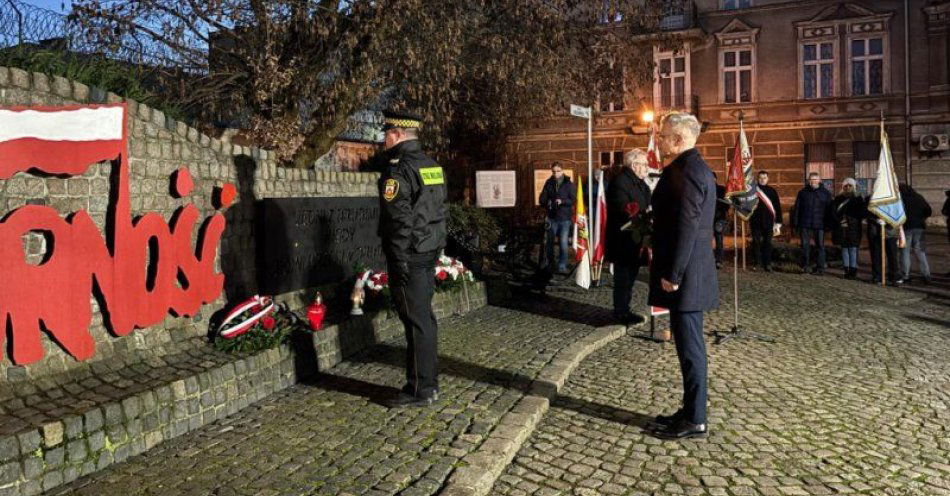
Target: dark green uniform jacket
x=412 y=210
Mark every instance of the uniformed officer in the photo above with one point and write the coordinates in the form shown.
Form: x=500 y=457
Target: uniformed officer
x=412 y=217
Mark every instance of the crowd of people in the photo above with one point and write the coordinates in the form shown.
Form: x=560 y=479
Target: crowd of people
x=815 y=215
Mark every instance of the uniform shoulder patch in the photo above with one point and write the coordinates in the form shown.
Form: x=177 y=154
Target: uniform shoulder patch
x=432 y=176
x=390 y=189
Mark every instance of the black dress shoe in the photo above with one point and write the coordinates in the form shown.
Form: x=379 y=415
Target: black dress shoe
x=408 y=400
x=668 y=420
x=682 y=430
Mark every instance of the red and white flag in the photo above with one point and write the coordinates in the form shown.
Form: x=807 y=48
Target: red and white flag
x=600 y=227
x=60 y=140
x=653 y=160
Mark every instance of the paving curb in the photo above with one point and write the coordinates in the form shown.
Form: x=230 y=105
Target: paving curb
x=483 y=466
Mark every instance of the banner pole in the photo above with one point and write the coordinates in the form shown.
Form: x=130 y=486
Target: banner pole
x=735 y=268
x=743 y=246
x=883 y=255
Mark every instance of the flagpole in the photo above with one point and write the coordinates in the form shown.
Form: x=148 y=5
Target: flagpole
x=738 y=332
x=880 y=223
x=590 y=171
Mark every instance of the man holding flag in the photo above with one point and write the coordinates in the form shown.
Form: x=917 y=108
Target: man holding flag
x=885 y=203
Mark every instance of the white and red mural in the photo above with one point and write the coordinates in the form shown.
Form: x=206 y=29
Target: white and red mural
x=142 y=269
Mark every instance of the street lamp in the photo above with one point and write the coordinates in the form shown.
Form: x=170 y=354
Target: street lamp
x=647 y=117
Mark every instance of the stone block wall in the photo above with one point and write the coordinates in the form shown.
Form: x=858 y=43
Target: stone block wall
x=158 y=145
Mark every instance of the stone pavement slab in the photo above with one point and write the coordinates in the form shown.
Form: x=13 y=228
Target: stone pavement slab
x=334 y=436
x=853 y=398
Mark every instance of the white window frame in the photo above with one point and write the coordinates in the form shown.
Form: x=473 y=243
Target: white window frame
x=722 y=5
x=657 y=87
x=885 y=57
x=835 y=67
x=737 y=68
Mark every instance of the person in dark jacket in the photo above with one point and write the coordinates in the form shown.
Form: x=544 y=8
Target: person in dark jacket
x=808 y=217
x=626 y=188
x=946 y=212
x=764 y=222
x=917 y=211
x=720 y=222
x=412 y=196
x=847 y=212
x=683 y=275
x=558 y=197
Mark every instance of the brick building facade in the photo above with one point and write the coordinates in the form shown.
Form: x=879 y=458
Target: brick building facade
x=812 y=79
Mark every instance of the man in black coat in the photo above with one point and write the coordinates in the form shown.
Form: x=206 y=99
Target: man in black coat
x=763 y=223
x=808 y=217
x=917 y=210
x=557 y=198
x=412 y=217
x=626 y=188
x=683 y=274
x=720 y=222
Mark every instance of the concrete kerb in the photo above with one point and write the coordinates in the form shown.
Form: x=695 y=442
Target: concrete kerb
x=482 y=467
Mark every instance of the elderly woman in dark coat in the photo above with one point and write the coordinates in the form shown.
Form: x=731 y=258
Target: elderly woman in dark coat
x=847 y=212
x=627 y=188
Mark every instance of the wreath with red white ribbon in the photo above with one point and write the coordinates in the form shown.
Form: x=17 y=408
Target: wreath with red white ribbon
x=245 y=315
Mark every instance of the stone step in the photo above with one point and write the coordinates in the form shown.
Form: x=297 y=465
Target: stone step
x=61 y=428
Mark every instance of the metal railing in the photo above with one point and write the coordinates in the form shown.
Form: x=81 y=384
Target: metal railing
x=678 y=14
x=28 y=26
x=688 y=103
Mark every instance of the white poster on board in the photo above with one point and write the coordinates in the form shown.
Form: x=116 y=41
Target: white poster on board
x=542 y=175
x=494 y=189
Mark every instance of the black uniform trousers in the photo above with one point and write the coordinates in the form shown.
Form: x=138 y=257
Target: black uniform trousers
x=890 y=251
x=762 y=247
x=690 y=343
x=413 y=301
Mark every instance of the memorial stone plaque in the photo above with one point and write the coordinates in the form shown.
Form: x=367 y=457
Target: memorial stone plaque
x=307 y=242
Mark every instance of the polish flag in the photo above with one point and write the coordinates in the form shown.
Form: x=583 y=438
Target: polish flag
x=600 y=227
x=60 y=140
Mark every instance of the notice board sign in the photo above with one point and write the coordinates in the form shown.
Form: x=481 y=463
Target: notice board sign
x=495 y=189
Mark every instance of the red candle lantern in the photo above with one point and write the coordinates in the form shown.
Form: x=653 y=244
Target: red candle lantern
x=316 y=311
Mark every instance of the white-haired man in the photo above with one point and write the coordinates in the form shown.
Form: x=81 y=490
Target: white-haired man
x=683 y=274
x=622 y=250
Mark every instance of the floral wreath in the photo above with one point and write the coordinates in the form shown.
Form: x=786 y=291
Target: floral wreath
x=243 y=317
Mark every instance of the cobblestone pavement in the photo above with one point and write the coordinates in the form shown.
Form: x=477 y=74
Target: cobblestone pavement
x=852 y=398
x=334 y=437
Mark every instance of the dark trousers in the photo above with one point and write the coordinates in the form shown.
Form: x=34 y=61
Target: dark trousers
x=625 y=274
x=762 y=248
x=687 y=330
x=890 y=248
x=413 y=301
x=818 y=235
x=718 y=228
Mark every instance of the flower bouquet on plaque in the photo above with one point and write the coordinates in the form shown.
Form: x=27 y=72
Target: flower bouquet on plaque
x=451 y=274
x=640 y=227
x=254 y=324
x=377 y=282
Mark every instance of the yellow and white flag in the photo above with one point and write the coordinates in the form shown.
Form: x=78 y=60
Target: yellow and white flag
x=581 y=237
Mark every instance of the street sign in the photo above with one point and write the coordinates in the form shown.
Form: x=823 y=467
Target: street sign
x=578 y=111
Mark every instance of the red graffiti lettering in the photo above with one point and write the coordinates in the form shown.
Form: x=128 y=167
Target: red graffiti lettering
x=145 y=270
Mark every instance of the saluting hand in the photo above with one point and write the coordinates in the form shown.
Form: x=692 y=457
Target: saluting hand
x=668 y=286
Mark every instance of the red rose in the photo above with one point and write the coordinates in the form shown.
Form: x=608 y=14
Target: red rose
x=268 y=323
x=632 y=209
x=383 y=279
x=442 y=275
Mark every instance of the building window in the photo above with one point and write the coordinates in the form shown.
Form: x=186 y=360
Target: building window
x=866 y=155
x=867 y=66
x=820 y=158
x=672 y=80
x=609 y=159
x=818 y=70
x=737 y=66
x=736 y=4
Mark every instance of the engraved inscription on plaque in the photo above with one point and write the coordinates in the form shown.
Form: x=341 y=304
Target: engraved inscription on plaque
x=307 y=242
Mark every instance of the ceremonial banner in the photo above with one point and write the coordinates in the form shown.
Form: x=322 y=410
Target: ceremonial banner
x=740 y=183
